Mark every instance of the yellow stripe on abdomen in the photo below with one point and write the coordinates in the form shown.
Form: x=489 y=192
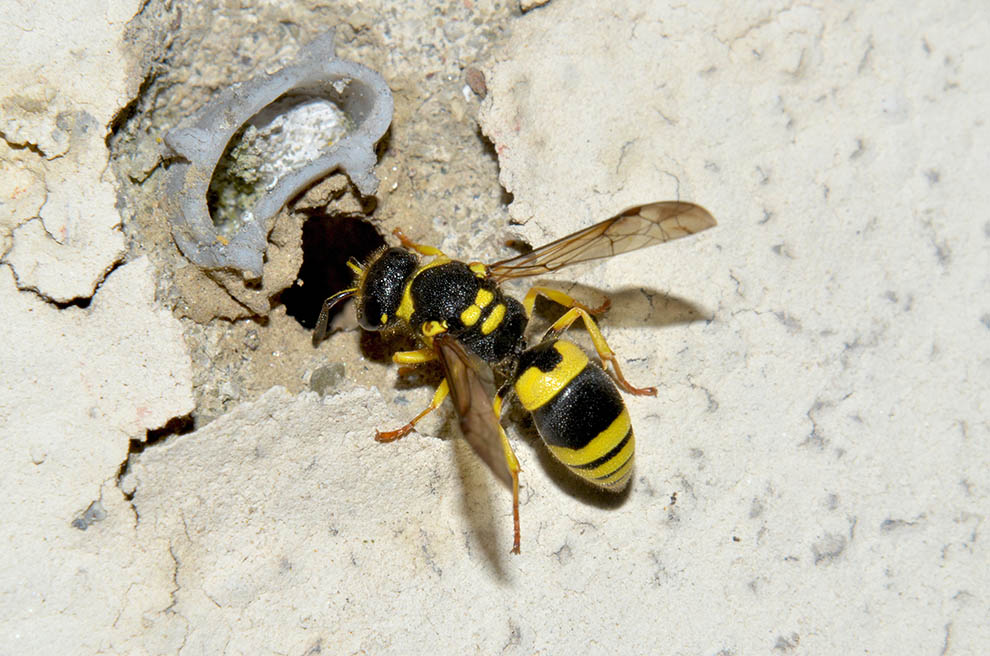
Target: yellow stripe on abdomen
x=598 y=447
x=618 y=479
x=578 y=412
x=534 y=387
x=606 y=461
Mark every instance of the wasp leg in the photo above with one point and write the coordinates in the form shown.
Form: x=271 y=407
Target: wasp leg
x=422 y=249
x=412 y=359
x=606 y=354
x=323 y=323
x=559 y=297
x=512 y=462
x=438 y=397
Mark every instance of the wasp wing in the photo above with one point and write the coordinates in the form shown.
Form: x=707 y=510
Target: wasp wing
x=636 y=227
x=472 y=386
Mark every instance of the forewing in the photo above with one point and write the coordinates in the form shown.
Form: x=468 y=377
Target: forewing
x=471 y=389
x=636 y=227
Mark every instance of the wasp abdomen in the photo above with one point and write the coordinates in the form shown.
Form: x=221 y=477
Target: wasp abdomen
x=578 y=413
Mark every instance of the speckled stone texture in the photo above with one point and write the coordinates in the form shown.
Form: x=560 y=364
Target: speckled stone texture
x=812 y=478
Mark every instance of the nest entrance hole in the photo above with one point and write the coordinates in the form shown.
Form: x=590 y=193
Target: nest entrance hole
x=328 y=241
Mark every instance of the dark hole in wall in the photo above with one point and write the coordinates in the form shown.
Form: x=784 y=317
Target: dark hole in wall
x=328 y=241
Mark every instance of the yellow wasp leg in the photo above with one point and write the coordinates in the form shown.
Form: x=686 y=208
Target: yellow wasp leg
x=419 y=356
x=513 y=464
x=422 y=249
x=606 y=354
x=390 y=436
x=413 y=359
x=559 y=297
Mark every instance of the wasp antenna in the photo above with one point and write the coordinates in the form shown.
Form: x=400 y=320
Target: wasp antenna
x=355 y=266
x=323 y=323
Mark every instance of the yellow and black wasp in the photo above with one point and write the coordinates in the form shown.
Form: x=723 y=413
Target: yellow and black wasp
x=459 y=314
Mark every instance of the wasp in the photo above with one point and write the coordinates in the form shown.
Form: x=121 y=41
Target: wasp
x=460 y=316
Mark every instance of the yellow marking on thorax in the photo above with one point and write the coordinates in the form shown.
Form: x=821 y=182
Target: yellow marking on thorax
x=493 y=319
x=406 y=304
x=472 y=313
x=479 y=269
x=432 y=328
x=470 y=316
x=534 y=387
x=483 y=298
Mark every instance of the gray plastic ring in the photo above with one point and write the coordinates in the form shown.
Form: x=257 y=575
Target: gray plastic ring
x=359 y=92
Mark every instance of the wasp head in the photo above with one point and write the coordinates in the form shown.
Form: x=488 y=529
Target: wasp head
x=381 y=285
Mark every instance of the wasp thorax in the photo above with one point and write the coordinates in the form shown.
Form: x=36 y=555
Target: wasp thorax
x=381 y=288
